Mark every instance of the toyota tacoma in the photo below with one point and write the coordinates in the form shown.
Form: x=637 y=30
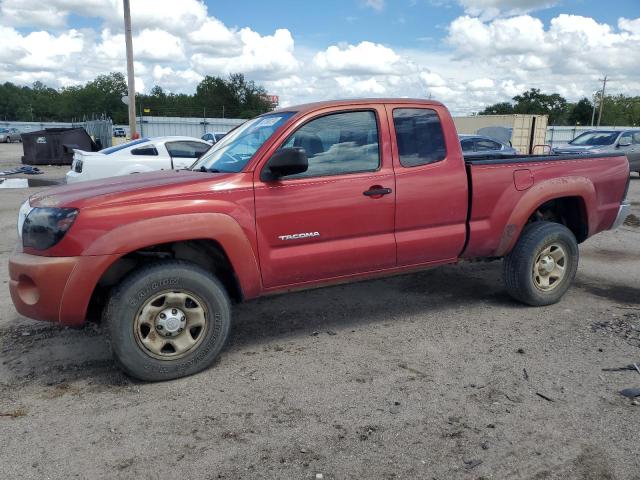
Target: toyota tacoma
x=300 y=197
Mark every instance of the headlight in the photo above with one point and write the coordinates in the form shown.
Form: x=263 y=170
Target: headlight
x=25 y=209
x=44 y=227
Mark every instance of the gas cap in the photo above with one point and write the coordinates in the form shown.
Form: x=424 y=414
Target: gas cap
x=522 y=179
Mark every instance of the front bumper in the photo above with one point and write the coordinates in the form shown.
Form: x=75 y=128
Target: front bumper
x=623 y=213
x=55 y=289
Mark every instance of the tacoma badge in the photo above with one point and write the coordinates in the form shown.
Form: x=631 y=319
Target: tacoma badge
x=297 y=236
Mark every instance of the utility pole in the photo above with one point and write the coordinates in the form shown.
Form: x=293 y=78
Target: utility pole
x=593 y=110
x=131 y=87
x=604 y=86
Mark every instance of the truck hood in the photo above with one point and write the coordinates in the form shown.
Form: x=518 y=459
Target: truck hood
x=119 y=188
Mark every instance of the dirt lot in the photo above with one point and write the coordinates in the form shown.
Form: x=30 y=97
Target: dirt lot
x=432 y=375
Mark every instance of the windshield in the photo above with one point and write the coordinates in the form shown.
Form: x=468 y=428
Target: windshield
x=233 y=152
x=595 y=138
x=4 y=130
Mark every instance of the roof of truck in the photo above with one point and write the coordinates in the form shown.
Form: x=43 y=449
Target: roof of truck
x=307 y=107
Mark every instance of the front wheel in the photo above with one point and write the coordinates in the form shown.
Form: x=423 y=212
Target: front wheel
x=167 y=320
x=542 y=265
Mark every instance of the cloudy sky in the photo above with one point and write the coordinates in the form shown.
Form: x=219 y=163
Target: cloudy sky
x=466 y=53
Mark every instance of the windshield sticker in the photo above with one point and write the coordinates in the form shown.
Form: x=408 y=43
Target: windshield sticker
x=268 y=121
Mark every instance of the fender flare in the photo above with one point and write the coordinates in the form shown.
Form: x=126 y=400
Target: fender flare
x=543 y=192
x=217 y=227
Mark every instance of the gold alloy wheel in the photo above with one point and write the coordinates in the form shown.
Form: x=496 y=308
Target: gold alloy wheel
x=550 y=267
x=171 y=324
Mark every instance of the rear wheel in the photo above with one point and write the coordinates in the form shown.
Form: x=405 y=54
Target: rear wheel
x=542 y=265
x=167 y=320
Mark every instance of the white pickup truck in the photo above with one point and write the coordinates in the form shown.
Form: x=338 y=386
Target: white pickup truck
x=142 y=155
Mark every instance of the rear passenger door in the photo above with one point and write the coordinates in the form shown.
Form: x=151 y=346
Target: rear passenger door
x=335 y=219
x=431 y=186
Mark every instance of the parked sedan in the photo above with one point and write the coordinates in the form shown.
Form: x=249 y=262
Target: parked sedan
x=606 y=141
x=8 y=135
x=476 y=146
x=142 y=155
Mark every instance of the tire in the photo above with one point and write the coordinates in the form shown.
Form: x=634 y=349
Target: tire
x=542 y=265
x=139 y=334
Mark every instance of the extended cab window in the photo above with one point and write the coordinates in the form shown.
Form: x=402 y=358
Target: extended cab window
x=338 y=144
x=419 y=136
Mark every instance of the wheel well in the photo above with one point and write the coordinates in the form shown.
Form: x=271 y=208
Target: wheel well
x=207 y=254
x=569 y=211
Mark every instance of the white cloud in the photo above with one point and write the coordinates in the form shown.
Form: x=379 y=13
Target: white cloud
x=488 y=9
x=489 y=58
x=631 y=26
x=267 y=56
x=352 y=86
x=53 y=13
x=431 y=79
x=39 y=51
x=364 y=58
x=377 y=5
x=158 y=45
x=215 y=37
x=571 y=44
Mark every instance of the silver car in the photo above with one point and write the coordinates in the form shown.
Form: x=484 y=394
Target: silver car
x=606 y=141
x=478 y=146
x=8 y=135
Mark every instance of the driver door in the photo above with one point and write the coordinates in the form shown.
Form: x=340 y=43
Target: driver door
x=325 y=223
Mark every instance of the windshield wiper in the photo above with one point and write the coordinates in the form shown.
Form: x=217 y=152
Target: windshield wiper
x=210 y=170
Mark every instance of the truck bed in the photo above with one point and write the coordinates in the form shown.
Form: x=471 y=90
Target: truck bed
x=505 y=192
x=502 y=159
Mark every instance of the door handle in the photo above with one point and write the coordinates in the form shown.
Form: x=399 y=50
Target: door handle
x=377 y=191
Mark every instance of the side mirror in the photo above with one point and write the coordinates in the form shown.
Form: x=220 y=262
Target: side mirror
x=624 y=143
x=286 y=161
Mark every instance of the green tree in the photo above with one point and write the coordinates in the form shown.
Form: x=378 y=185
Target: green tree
x=580 y=113
x=214 y=96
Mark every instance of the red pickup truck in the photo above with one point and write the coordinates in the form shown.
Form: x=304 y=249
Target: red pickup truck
x=296 y=198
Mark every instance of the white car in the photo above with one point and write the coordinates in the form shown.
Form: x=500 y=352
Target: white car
x=142 y=155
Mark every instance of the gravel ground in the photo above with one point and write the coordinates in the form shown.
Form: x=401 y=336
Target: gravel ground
x=430 y=375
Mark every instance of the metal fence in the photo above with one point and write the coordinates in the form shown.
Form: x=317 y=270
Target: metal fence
x=100 y=129
x=560 y=135
x=149 y=126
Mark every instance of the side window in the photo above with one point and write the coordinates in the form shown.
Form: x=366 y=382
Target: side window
x=626 y=138
x=467 y=145
x=484 y=145
x=146 y=150
x=338 y=144
x=419 y=136
x=636 y=138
